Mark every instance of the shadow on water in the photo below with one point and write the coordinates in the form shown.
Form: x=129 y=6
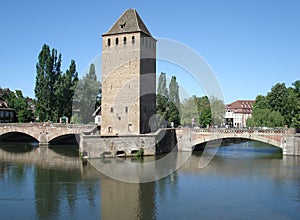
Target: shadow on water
x=17 y=147
x=65 y=150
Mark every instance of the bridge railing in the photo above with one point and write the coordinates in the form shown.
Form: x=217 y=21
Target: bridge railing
x=45 y=124
x=243 y=130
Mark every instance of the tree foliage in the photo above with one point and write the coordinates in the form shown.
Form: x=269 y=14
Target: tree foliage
x=189 y=112
x=162 y=85
x=54 y=89
x=167 y=101
x=280 y=107
x=20 y=105
x=203 y=106
x=87 y=97
x=218 y=110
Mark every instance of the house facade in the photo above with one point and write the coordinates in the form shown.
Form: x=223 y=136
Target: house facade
x=7 y=115
x=238 y=112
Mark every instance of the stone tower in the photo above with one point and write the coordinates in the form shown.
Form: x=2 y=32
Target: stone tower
x=128 y=77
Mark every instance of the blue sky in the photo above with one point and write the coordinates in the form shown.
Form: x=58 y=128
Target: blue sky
x=250 y=45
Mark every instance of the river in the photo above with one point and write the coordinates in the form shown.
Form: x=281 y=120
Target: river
x=247 y=180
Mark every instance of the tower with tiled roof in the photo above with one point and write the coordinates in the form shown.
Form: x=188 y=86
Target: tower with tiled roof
x=128 y=76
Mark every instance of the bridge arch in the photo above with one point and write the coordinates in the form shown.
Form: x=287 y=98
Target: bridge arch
x=71 y=138
x=45 y=132
x=260 y=139
x=200 y=144
x=18 y=136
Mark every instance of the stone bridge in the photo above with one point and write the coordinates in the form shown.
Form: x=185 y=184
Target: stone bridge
x=286 y=139
x=45 y=132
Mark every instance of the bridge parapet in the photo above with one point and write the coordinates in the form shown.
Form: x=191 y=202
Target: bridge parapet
x=279 y=137
x=45 y=132
x=236 y=130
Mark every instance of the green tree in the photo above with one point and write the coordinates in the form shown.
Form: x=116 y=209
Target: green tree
x=162 y=99
x=189 y=112
x=261 y=102
x=162 y=85
x=174 y=102
x=265 y=118
x=86 y=96
x=203 y=106
x=48 y=73
x=65 y=91
x=277 y=100
x=296 y=105
x=20 y=105
x=54 y=90
x=173 y=114
x=217 y=109
x=174 y=92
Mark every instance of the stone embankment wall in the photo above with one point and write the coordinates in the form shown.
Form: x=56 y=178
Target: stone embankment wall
x=96 y=146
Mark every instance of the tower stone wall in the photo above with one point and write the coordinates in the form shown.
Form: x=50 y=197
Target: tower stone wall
x=128 y=77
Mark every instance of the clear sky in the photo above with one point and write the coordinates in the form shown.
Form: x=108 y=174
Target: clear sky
x=250 y=45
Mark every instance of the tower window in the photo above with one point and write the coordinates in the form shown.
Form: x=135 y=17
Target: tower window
x=133 y=39
x=126 y=109
x=117 y=41
x=111 y=109
x=125 y=40
x=108 y=41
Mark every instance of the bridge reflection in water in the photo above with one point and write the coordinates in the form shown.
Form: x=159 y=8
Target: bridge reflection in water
x=59 y=186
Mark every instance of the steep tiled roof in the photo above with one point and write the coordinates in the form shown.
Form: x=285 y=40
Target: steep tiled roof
x=129 y=22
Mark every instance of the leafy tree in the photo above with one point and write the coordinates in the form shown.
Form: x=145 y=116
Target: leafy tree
x=48 y=73
x=296 y=85
x=162 y=99
x=162 y=85
x=261 y=102
x=277 y=100
x=174 y=102
x=189 y=111
x=173 y=114
x=174 y=92
x=54 y=90
x=203 y=106
x=296 y=105
x=218 y=110
x=280 y=102
x=265 y=118
x=19 y=103
x=66 y=89
x=86 y=96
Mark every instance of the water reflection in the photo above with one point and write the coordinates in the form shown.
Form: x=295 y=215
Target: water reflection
x=43 y=183
x=50 y=180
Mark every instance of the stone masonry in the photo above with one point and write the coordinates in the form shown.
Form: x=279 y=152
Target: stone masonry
x=128 y=77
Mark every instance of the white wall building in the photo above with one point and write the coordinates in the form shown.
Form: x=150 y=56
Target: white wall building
x=238 y=112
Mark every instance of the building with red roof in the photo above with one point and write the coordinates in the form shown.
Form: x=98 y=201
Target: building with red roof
x=238 y=112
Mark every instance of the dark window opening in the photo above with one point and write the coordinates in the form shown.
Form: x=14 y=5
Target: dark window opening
x=125 y=40
x=133 y=39
x=117 y=41
x=108 y=41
